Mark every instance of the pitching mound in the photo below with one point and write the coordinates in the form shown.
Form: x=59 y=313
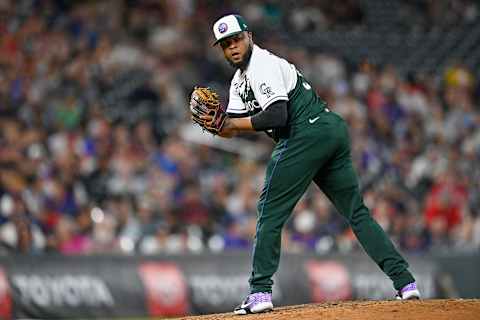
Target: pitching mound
x=370 y=310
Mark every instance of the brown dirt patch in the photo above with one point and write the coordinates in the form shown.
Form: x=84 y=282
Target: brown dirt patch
x=459 y=309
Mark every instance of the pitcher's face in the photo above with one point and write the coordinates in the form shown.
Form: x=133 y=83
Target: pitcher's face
x=237 y=49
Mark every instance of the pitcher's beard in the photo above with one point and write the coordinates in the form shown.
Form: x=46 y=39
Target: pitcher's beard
x=245 y=61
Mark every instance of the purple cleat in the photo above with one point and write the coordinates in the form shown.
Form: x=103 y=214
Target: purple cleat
x=409 y=292
x=255 y=303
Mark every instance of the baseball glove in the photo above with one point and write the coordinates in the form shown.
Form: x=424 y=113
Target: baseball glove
x=207 y=110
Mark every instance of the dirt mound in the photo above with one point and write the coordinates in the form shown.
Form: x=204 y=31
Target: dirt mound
x=368 y=310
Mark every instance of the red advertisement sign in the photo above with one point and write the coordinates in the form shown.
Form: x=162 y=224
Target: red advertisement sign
x=329 y=281
x=165 y=289
x=5 y=300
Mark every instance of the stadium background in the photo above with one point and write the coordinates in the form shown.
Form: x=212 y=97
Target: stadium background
x=99 y=162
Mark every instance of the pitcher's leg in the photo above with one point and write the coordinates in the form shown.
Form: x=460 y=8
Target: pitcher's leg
x=289 y=173
x=338 y=180
x=371 y=236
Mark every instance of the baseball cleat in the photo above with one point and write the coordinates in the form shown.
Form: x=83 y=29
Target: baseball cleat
x=255 y=303
x=409 y=292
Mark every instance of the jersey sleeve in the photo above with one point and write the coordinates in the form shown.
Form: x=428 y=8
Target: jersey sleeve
x=268 y=83
x=235 y=104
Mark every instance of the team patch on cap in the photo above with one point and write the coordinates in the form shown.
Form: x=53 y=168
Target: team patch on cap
x=222 y=27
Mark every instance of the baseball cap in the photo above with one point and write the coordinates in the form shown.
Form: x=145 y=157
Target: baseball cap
x=227 y=26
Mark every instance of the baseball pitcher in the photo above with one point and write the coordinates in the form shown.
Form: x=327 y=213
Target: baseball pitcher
x=269 y=94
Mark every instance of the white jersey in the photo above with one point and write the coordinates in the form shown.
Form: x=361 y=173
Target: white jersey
x=268 y=78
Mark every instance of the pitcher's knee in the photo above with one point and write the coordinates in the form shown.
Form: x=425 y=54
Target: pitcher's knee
x=268 y=228
x=359 y=215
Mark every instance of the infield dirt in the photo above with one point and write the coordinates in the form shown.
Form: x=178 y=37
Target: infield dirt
x=459 y=309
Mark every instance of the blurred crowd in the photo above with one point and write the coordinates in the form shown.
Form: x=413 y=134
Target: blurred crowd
x=443 y=15
x=93 y=158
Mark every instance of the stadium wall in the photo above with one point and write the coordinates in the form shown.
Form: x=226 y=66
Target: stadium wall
x=54 y=287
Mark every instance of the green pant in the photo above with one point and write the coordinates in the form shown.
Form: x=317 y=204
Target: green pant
x=318 y=152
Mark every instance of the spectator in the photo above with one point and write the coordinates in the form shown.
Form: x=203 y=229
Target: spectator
x=444 y=205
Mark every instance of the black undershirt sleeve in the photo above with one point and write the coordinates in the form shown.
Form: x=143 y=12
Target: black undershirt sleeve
x=275 y=116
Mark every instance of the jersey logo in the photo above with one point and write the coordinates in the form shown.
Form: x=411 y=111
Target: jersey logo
x=246 y=94
x=306 y=86
x=265 y=90
x=253 y=106
x=312 y=121
x=244 y=90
